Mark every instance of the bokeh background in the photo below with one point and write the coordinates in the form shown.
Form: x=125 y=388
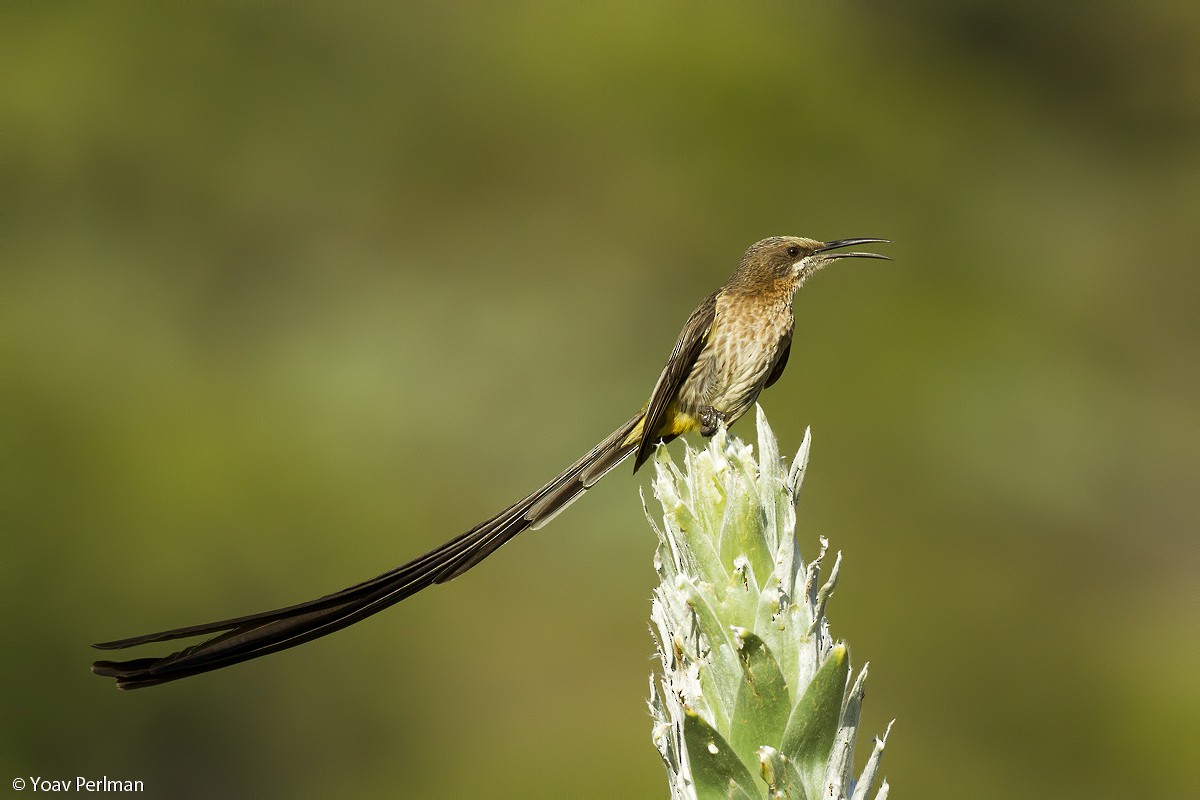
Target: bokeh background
x=293 y=293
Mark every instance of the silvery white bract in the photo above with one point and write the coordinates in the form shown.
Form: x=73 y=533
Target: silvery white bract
x=755 y=699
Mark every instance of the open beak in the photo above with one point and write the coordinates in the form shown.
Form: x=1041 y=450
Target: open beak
x=850 y=243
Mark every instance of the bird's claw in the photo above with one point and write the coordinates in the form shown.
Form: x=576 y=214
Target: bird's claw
x=711 y=420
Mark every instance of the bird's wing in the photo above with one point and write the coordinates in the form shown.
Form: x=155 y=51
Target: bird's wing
x=691 y=341
x=777 y=370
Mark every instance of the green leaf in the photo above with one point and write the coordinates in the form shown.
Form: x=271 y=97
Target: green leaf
x=810 y=733
x=783 y=781
x=742 y=526
x=718 y=772
x=761 y=711
x=719 y=675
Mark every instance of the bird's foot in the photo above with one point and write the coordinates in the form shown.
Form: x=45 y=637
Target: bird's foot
x=711 y=420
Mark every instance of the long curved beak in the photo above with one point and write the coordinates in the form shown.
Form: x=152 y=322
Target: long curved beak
x=850 y=243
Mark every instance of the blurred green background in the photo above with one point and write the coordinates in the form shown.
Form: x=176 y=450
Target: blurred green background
x=294 y=293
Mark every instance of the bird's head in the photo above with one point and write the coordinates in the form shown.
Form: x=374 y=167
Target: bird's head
x=785 y=262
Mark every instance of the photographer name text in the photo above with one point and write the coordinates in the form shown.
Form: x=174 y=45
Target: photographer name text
x=77 y=784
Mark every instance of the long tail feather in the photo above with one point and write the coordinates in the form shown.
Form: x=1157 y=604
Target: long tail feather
x=243 y=638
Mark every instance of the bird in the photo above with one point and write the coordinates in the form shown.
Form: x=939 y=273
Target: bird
x=735 y=344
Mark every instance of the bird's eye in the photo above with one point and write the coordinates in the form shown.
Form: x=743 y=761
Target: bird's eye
x=793 y=251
